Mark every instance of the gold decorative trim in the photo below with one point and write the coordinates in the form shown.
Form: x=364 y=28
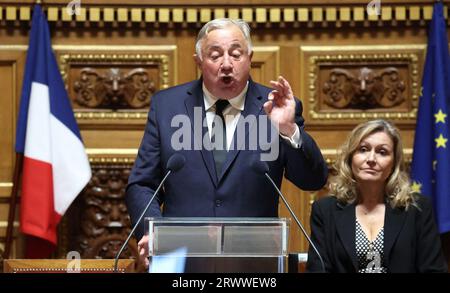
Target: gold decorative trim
x=312 y=14
x=14 y=47
x=4 y=224
x=5 y=191
x=115 y=48
x=24 y=13
x=275 y=15
x=111 y=156
x=328 y=54
x=111 y=160
x=136 y=54
x=142 y=115
x=361 y=48
x=96 y=152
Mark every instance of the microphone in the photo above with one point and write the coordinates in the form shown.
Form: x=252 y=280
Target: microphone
x=263 y=168
x=175 y=163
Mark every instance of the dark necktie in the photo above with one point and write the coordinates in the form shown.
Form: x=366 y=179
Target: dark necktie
x=220 y=151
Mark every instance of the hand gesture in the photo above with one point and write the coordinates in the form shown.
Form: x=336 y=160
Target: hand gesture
x=280 y=108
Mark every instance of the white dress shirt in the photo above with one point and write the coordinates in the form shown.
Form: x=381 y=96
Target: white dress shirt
x=232 y=114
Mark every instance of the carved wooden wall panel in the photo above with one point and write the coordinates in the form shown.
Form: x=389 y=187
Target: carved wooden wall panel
x=113 y=88
x=98 y=221
x=265 y=64
x=354 y=87
x=112 y=84
x=11 y=71
x=356 y=83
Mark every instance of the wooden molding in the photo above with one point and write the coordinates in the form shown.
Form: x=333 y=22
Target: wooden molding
x=312 y=13
x=63 y=266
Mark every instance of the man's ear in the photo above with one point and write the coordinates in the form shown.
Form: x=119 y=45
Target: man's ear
x=197 y=60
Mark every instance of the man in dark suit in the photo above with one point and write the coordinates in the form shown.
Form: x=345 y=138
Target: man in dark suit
x=218 y=181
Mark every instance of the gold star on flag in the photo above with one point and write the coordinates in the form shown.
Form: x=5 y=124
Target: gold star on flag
x=440 y=141
x=440 y=116
x=416 y=187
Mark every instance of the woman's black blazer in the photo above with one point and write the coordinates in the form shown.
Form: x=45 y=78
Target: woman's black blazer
x=411 y=240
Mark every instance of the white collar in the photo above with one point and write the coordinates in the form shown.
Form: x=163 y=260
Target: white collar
x=237 y=102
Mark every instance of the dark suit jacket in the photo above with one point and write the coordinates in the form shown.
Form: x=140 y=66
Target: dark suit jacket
x=196 y=190
x=411 y=240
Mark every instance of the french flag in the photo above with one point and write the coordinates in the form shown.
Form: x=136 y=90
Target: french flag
x=55 y=165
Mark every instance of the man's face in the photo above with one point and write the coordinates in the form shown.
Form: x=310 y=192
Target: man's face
x=226 y=63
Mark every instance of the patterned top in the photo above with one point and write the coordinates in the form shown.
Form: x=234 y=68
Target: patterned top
x=370 y=254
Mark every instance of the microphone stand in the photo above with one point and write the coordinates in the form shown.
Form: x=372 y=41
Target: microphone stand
x=116 y=260
x=296 y=220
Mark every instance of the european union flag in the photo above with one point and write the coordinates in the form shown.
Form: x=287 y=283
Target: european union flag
x=430 y=170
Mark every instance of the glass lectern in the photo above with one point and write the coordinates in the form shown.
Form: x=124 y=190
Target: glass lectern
x=257 y=245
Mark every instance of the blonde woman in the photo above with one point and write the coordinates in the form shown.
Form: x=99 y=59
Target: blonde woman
x=373 y=222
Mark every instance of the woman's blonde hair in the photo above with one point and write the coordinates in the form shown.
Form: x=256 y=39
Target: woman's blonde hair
x=397 y=190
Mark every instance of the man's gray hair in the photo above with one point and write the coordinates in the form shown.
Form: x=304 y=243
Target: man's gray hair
x=221 y=23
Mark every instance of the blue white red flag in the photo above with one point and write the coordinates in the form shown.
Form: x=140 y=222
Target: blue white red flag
x=55 y=164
